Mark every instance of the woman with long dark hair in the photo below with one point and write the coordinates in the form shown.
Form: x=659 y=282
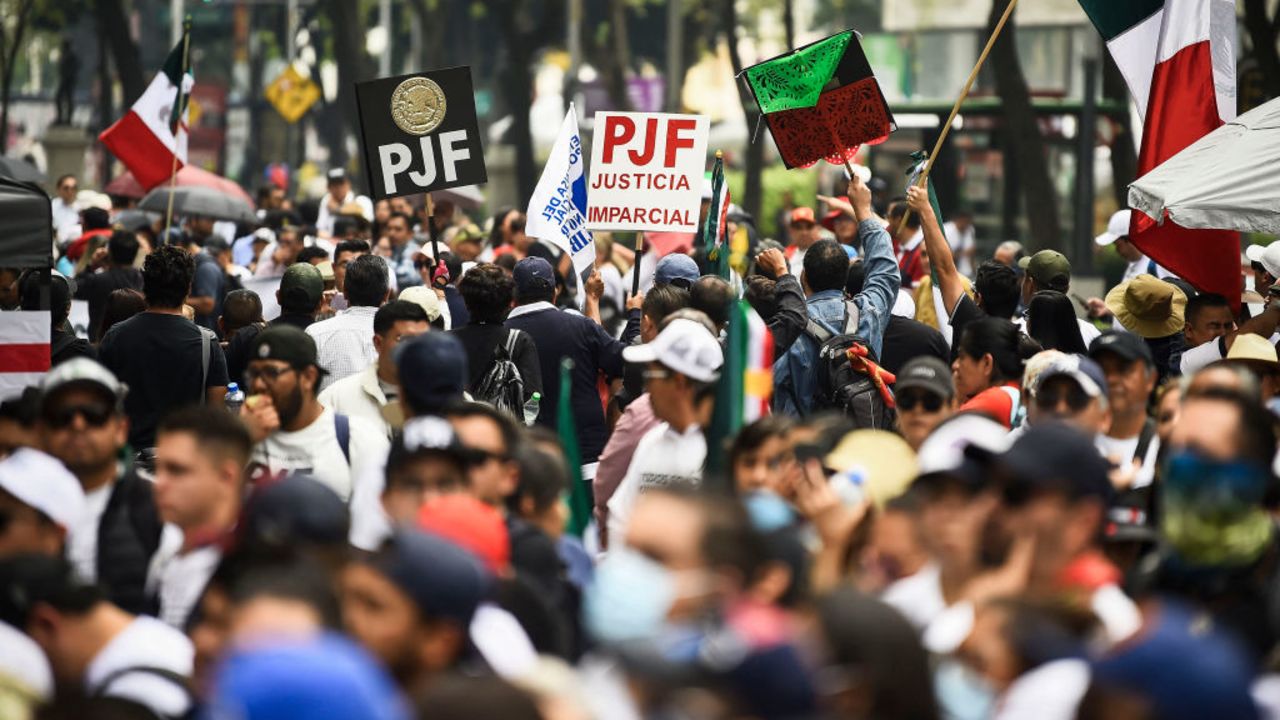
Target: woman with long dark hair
x=499 y=232
x=988 y=370
x=1051 y=321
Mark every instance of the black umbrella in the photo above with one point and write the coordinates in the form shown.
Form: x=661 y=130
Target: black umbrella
x=195 y=200
x=21 y=170
x=133 y=220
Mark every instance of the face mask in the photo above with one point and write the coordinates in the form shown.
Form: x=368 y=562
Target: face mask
x=768 y=511
x=962 y=693
x=1212 y=510
x=629 y=599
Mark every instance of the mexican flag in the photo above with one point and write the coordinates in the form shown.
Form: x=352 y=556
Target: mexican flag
x=154 y=131
x=714 y=231
x=821 y=101
x=745 y=384
x=579 y=494
x=1178 y=59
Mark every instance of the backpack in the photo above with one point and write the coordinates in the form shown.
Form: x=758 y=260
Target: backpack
x=502 y=385
x=847 y=385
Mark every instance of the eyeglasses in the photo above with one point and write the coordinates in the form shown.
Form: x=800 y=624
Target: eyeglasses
x=270 y=373
x=908 y=400
x=656 y=374
x=476 y=456
x=1050 y=398
x=94 y=414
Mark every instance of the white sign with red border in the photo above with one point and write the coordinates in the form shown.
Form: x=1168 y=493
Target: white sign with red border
x=647 y=171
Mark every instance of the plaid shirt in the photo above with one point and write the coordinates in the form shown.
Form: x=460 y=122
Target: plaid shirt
x=344 y=343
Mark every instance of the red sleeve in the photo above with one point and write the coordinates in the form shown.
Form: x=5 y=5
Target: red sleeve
x=993 y=402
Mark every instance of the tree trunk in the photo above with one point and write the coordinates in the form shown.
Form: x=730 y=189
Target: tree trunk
x=1262 y=36
x=619 y=55
x=353 y=66
x=124 y=51
x=753 y=191
x=10 y=57
x=789 y=22
x=1124 y=155
x=1022 y=135
x=517 y=86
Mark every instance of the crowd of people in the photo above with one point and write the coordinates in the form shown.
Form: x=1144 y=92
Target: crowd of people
x=967 y=501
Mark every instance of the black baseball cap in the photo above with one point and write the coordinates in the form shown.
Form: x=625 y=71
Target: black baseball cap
x=336 y=175
x=287 y=343
x=443 y=580
x=927 y=373
x=29 y=580
x=296 y=508
x=1125 y=344
x=1055 y=457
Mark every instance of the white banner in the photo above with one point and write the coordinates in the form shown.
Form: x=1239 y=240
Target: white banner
x=558 y=207
x=646 y=171
x=266 y=288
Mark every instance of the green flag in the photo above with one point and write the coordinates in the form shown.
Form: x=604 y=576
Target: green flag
x=918 y=160
x=796 y=80
x=713 y=233
x=579 y=493
x=726 y=419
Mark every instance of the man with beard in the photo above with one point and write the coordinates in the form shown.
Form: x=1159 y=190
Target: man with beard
x=292 y=431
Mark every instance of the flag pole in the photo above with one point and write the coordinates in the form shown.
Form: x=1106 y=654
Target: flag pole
x=182 y=79
x=964 y=93
x=635 y=266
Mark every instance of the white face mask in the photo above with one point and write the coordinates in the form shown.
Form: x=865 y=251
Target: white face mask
x=962 y=693
x=632 y=596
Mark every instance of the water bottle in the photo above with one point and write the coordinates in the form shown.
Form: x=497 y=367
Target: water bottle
x=234 y=398
x=531 y=408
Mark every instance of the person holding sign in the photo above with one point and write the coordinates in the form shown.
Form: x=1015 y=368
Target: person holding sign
x=825 y=269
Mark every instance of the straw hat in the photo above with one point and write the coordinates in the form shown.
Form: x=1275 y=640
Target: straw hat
x=879 y=463
x=1250 y=348
x=1148 y=306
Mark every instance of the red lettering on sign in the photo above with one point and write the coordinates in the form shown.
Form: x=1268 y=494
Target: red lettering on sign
x=675 y=141
x=650 y=138
x=618 y=130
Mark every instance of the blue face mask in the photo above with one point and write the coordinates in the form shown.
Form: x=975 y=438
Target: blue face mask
x=629 y=599
x=1212 y=510
x=962 y=693
x=768 y=511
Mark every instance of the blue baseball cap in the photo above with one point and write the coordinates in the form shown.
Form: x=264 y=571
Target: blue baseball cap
x=1083 y=370
x=325 y=677
x=433 y=368
x=1055 y=456
x=676 y=269
x=533 y=275
x=296 y=508
x=442 y=579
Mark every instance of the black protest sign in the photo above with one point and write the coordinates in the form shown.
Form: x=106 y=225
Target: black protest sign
x=419 y=132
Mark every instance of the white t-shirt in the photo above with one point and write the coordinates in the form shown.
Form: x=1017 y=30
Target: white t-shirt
x=178 y=578
x=918 y=597
x=662 y=457
x=315 y=450
x=960 y=241
x=146 y=642
x=1051 y=691
x=82 y=538
x=1200 y=356
x=1115 y=449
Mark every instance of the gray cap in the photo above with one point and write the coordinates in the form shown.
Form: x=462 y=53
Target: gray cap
x=928 y=373
x=82 y=371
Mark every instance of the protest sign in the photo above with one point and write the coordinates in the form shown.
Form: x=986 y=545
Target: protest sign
x=419 y=132
x=646 y=171
x=558 y=206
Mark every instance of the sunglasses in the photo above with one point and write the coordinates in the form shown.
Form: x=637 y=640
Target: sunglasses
x=270 y=373
x=423 y=263
x=655 y=374
x=476 y=456
x=1050 y=398
x=909 y=400
x=95 y=415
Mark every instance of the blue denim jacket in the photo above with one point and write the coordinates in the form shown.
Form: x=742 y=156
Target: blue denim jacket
x=795 y=380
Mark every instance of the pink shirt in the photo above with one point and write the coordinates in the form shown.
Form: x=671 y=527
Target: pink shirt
x=636 y=420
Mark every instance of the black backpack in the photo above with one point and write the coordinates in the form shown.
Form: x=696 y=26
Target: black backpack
x=840 y=386
x=502 y=385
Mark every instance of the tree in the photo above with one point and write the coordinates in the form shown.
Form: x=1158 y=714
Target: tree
x=347 y=25
x=15 y=15
x=753 y=190
x=113 y=29
x=1124 y=156
x=1263 y=36
x=1021 y=134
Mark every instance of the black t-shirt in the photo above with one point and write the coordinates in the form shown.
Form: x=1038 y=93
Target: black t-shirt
x=966 y=311
x=480 y=340
x=905 y=339
x=160 y=358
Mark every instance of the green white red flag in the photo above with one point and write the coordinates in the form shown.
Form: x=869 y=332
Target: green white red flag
x=1178 y=59
x=154 y=131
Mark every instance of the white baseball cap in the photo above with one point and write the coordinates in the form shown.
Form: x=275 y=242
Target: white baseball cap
x=943 y=450
x=1267 y=255
x=42 y=482
x=684 y=346
x=1117 y=227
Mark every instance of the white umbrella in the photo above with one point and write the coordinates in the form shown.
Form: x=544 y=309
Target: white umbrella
x=1226 y=180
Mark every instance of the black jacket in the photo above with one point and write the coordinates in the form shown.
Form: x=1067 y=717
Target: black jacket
x=128 y=537
x=559 y=334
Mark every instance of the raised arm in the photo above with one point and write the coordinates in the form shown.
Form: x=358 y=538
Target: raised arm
x=880 y=287
x=935 y=242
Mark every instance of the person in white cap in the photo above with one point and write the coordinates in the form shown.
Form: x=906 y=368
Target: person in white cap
x=682 y=365
x=39 y=501
x=1117 y=234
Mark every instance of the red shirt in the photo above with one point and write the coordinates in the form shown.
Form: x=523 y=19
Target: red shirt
x=997 y=402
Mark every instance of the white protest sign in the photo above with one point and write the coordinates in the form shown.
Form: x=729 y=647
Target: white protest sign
x=557 y=208
x=646 y=171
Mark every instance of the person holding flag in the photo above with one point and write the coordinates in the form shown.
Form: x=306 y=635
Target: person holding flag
x=558 y=207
